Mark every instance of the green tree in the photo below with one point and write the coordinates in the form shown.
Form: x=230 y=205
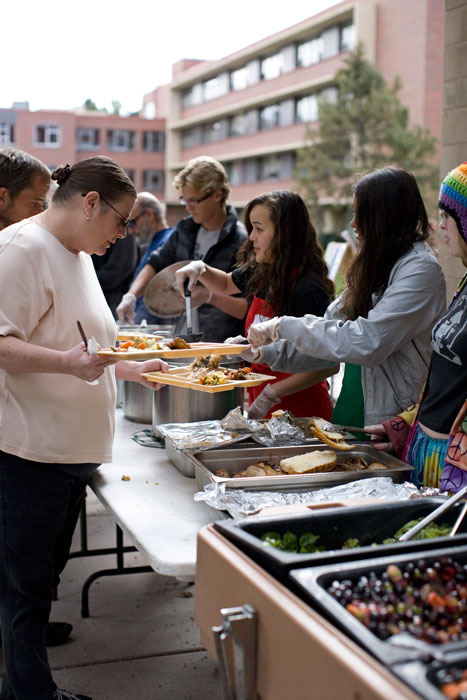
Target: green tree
x=364 y=128
x=90 y=105
x=116 y=107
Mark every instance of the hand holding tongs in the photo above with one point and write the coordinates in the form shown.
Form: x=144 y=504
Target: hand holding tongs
x=434 y=514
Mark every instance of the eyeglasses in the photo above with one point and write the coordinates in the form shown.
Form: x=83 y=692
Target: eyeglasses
x=192 y=201
x=132 y=222
x=124 y=220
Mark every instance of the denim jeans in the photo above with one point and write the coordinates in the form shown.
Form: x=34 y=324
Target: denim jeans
x=39 y=508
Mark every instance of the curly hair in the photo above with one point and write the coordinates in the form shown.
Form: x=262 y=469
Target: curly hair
x=390 y=216
x=295 y=251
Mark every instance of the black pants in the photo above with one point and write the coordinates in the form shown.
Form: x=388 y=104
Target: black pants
x=39 y=508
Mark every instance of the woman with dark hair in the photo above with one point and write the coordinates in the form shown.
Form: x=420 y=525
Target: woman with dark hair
x=282 y=270
x=433 y=436
x=383 y=320
x=56 y=401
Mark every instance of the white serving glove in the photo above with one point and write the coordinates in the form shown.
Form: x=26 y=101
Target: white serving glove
x=264 y=333
x=249 y=354
x=126 y=308
x=192 y=271
x=261 y=405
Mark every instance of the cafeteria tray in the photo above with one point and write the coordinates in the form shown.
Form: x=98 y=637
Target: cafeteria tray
x=195 y=350
x=313 y=581
x=180 y=376
x=369 y=524
x=207 y=462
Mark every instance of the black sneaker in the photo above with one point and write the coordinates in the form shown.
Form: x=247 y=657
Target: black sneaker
x=61 y=694
x=57 y=633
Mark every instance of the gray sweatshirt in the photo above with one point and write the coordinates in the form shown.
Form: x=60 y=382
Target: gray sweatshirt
x=392 y=344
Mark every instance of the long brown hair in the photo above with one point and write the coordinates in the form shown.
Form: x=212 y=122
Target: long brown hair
x=390 y=216
x=295 y=251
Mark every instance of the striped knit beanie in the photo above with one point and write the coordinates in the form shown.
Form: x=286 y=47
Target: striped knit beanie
x=453 y=197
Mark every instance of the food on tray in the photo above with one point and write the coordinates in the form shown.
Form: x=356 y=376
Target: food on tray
x=178 y=344
x=208 y=362
x=310 y=462
x=320 y=429
x=290 y=542
x=212 y=374
x=452 y=682
x=306 y=463
x=427 y=600
x=213 y=378
x=138 y=343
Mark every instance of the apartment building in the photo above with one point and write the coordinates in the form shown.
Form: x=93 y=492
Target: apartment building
x=250 y=109
x=59 y=137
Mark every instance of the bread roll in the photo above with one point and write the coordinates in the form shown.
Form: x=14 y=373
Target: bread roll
x=310 y=462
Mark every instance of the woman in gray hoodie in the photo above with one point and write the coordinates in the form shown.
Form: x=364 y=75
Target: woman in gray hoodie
x=395 y=292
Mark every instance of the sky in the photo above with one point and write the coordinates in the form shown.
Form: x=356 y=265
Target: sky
x=58 y=53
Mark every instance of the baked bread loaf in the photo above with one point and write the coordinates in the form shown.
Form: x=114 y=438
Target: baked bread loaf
x=310 y=462
x=331 y=438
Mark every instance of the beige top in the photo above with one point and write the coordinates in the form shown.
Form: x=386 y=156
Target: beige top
x=44 y=290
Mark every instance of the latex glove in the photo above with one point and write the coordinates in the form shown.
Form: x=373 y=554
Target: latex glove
x=266 y=400
x=379 y=438
x=192 y=271
x=126 y=308
x=249 y=354
x=264 y=333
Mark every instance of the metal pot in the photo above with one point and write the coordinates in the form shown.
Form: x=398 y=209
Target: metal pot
x=173 y=404
x=137 y=402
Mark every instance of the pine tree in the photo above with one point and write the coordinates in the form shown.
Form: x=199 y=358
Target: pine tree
x=364 y=128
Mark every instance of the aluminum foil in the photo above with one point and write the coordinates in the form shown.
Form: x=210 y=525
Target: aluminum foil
x=239 y=503
x=201 y=435
x=234 y=427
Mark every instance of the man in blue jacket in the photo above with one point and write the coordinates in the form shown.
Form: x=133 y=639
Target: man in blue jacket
x=148 y=224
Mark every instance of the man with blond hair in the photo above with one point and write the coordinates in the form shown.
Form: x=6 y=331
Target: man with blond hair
x=211 y=233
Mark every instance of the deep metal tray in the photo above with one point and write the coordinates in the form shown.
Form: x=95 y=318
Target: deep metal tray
x=207 y=462
x=422 y=677
x=313 y=581
x=369 y=523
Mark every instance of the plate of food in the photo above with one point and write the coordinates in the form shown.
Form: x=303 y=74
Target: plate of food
x=206 y=374
x=148 y=347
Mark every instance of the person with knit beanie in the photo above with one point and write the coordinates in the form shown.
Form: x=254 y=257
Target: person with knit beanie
x=433 y=436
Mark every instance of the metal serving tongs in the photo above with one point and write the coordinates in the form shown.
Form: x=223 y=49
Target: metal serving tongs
x=333 y=427
x=434 y=514
x=190 y=337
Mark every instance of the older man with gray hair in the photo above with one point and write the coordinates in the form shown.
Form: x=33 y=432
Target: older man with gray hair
x=148 y=224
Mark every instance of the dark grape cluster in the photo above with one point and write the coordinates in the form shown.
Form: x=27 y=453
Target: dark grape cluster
x=453 y=682
x=426 y=600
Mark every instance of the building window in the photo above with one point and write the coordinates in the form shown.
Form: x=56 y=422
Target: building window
x=131 y=174
x=272 y=67
x=48 y=135
x=347 y=37
x=310 y=52
x=153 y=141
x=87 y=139
x=153 y=180
x=191 y=137
x=269 y=168
x=7 y=134
x=120 y=140
x=214 y=131
x=306 y=109
x=239 y=79
x=269 y=117
x=216 y=87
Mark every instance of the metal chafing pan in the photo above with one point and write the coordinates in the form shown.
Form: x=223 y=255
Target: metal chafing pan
x=235 y=460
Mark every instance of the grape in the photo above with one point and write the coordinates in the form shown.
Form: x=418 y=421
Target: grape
x=427 y=600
